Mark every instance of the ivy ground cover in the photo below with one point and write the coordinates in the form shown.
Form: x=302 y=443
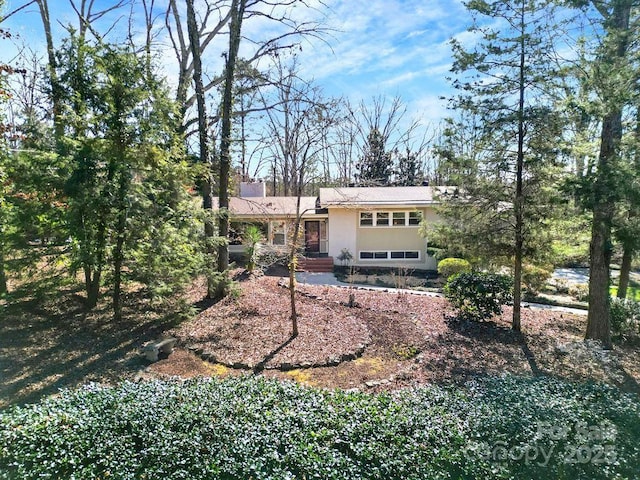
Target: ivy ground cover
x=254 y=428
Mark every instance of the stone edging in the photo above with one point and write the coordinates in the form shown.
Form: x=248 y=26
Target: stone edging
x=284 y=366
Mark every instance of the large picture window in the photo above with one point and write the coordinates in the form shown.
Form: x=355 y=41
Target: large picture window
x=411 y=218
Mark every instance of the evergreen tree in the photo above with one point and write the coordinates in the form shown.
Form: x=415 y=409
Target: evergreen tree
x=31 y=201
x=627 y=222
x=376 y=165
x=6 y=212
x=129 y=210
x=501 y=205
x=612 y=86
x=408 y=170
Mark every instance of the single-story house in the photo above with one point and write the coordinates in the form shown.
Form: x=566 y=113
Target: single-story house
x=377 y=226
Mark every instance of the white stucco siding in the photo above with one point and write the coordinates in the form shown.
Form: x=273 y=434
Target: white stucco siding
x=342 y=231
x=430 y=215
x=390 y=238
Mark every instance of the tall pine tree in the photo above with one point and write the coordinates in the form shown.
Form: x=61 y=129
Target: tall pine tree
x=502 y=201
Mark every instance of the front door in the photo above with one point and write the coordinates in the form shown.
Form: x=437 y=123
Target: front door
x=312 y=236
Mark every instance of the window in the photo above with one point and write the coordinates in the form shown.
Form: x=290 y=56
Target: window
x=415 y=217
x=237 y=231
x=395 y=219
x=374 y=255
x=408 y=255
x=382 y=219
x=366 y=219
x=393 y=255
x=399 y=219
x=279 y=233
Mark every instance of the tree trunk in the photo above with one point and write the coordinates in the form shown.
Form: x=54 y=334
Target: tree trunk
x=604 y=189
x=183 y=63
x=118 y=258
x=625 y=270
x=598 y=318
x=95 y=268
x=3 y=275
x=93 y=292
x=292 y=293
x=293 y=263
x=237 y=14
x=207 y=198
x=87 y=278
x=118 y=251
x=56 y=110
x=519 y=198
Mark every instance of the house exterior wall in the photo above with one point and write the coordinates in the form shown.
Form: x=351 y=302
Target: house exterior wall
x=374 y=245
x=345 y=232
x=277 y=225
x=342 y=231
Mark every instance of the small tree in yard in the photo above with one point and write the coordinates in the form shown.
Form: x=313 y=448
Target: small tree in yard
x=296 y=124
x=252 y=236
x=479 y=296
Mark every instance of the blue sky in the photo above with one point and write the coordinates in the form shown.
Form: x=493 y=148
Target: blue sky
x=390 y=48
x=376 y=47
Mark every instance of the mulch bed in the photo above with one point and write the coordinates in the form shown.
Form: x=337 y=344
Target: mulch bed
x=391 y=340
x=49 y=341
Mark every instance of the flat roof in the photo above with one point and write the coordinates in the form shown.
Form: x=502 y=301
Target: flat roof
x=380 y=195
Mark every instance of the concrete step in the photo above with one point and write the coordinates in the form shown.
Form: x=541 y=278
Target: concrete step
x=316 y=265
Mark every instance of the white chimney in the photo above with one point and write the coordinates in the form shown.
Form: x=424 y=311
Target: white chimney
x=253 y=189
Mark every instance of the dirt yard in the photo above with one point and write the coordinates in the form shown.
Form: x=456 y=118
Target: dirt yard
x=388 y=340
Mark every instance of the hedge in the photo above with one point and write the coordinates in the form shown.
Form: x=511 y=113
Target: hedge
x=450 y=266
x=252 y=428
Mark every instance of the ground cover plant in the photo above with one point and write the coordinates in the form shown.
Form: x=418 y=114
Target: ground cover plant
x=250 y=427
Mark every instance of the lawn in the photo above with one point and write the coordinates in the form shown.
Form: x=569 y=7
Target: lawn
x=633 y=293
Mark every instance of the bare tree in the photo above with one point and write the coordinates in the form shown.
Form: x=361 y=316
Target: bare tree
x=237 y=15
x=297 y=125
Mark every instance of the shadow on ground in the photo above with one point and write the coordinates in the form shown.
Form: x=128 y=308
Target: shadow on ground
x=50 y=341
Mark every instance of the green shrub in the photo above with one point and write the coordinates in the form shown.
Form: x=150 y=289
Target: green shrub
x=478 y=296
x=251 y=237
x=535 y=278
x=451 y=266
x=580 y=292
x=250 y=427
x=625 y=317
x=345 y=256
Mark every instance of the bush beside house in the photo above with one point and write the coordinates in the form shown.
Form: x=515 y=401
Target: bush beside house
x=450 y=266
